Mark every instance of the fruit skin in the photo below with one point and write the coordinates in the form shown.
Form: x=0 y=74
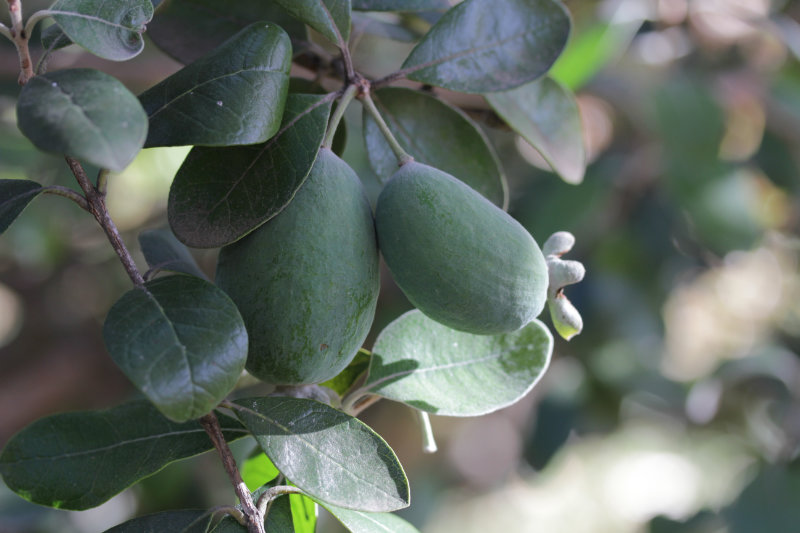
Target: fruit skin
x=459 y=259
x=306 y=282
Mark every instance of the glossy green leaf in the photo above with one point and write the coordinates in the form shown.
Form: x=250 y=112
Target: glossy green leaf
x=546 y=115
x=437 y=134
x=257 y=471
x=80 y=460
x=190 y=29
x=172 y=521
x=210 y=102
x=361 y=522
x=221 y=194
x=15 y=195
x=330 y=455
x=163 y=251
x=85 y=114
x=329 y=17
x=111 y=30
x=181 y=341
x=480 y=46
x=401 y=5
x=447 y=372
x=304 y=513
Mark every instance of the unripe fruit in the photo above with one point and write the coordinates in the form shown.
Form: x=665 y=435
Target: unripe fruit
x=456 y=256
x=306 y=282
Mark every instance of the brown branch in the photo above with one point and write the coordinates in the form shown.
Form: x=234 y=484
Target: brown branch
x=255 y=519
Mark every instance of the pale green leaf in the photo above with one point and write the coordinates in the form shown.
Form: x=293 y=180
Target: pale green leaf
x=546 y=115
x=429 y=366
x=83 y=113
x=211 y=101
x=80 y=460
x=111 y=30
x=304 y=513
x=363 y=522
x=482 y=46
x=257 y=471
x=330 y=455
x=181 y=341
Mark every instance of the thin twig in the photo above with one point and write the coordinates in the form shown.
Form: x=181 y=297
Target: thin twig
x=34 y=19
x=66 y=192
x=20 y=37
x=402 y=156
x=255 y=519
x=272 y=493
x=97 y=207
x=4 y=31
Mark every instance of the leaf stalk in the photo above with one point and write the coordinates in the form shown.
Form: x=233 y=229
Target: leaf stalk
x=402 y=156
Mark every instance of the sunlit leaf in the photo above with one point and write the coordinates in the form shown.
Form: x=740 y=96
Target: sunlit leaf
x=221 y=194
x=480 y=46
x=210 y=102
x=80 y=460
x=546 y=115
x=362 y=522
x=304 y=513
x=181 y=341
x=83 y=113
x=111 y=30
x=436 y=369
x=330 y=455
x=437 y=134
x=15 y=195
x=258 y=471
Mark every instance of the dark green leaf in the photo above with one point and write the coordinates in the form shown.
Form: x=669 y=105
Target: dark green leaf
x=15 y=195
x=437 y=134
x=546 y=115
x=210 y=102
x=172 y=521
x=368 y=23
x=330 y=455
x=85 y=114
x=480 y=46
x=401 y=5
x=345 y=379
x=257 y=471
x=111 y=30
x=230 y=525
x=221 y=194
x=79 y=460
x=164 y=252
x=361 y=522
x=329 y=17
x=436 y=369
x=304 y=513
x=53 y=38
x=190 y=29
x=181 y=341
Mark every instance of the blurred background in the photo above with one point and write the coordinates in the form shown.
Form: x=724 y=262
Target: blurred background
x=678 y=407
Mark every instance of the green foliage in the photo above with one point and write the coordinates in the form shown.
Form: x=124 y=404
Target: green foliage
x=164 y=252
x=83 y=113
x=459 y=259
x=401 y=5
x=14 y=196
x=329 y=17
x=181 y=341
x=319 y=254
x=88 y=457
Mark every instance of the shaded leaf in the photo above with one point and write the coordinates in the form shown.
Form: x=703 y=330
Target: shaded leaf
x=304 y=513
x=80 y=460
x=53 y=38
x=401 y=5
x=330 y=455
x=181 y=341
x=163 y=251
x=372 y=25
x=15 y=195
x=480 y=46
x=111 y=30
x=345 y=379
x=210 y=102
x=329 y=17
x=172 y=521
x=437 y=134
x=257 y=471
x=190 y=29
x=436 y=369
x=546 y=115
x=361 y=522
x=221 y=194
x=83 y=113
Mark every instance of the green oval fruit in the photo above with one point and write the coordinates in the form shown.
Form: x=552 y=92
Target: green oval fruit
x=456 y=256
x=306 y=282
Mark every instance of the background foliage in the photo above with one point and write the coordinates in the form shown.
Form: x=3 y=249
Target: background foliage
x=676 y=409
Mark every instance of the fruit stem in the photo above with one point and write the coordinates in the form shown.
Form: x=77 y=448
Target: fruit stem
x=402 y=156
x=347 y=97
